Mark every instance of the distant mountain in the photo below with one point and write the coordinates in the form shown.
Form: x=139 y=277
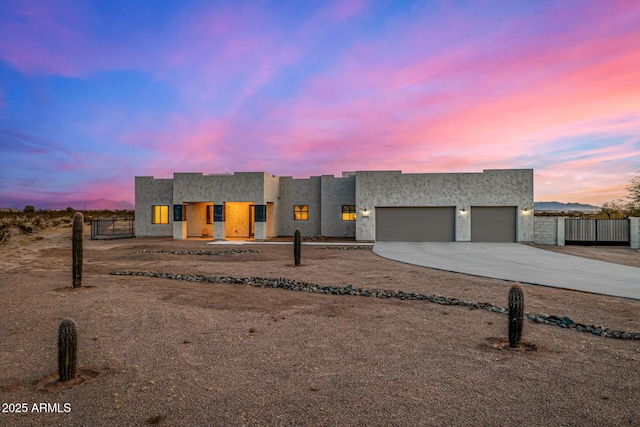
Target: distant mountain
x=557 y=206
x=90 y=205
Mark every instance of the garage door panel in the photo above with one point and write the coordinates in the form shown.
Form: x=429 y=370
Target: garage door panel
x=415 y=224
x=494 y=224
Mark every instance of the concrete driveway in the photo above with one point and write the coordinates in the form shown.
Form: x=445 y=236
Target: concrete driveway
x=519 y=263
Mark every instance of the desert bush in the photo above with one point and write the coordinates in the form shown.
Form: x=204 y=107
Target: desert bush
x=25 y=229
x=5 y=233
x=39 y=222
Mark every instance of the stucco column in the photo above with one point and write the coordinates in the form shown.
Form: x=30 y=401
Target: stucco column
x=463 y=223
x=179 y=226
x=365 y=224
x=219 y=224
x=634 y=233
x=260 y=223
x=560 y=231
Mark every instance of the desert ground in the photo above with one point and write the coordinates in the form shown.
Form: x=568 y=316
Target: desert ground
x=169 y=352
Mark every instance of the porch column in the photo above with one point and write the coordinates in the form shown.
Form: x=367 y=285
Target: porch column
x=560 y=231
x=260 y=223
x=179 y=223
x=219 y=225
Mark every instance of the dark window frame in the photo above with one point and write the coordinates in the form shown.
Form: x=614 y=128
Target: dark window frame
x=350 y=211
x=301 y=212
x=154 y=218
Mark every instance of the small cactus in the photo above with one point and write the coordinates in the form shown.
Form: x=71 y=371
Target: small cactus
x=67 y=347
x=296 y=247
x=76 y=244
x=516 y=314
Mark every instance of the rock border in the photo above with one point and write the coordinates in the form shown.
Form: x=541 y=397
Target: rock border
x=199 y=252
x=347 y=248
x=301 y=286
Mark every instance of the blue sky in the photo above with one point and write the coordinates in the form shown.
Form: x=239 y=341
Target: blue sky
x=94 y=93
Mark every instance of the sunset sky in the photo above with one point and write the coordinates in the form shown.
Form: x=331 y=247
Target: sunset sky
x=93 y=93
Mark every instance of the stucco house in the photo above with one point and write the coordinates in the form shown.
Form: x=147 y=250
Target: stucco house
x=492 y=206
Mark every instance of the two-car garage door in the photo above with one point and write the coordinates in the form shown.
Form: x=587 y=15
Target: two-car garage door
x=416 y=224
x=437 y=224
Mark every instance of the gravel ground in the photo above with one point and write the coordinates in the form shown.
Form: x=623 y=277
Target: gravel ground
x=173 y=352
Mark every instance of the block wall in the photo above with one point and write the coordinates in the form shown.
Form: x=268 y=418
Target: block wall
x=545 y=230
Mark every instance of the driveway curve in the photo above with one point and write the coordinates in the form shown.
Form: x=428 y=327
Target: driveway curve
x=518 y=263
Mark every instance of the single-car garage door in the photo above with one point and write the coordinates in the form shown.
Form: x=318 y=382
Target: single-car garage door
x=493 y=224
x=416 y=224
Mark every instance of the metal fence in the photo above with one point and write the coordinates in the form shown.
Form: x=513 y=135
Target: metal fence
x=597 y=232
x=112 y=228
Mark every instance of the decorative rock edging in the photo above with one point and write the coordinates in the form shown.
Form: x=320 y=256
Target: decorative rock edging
x=199 y=252
x=294 y=285
x=347 y=248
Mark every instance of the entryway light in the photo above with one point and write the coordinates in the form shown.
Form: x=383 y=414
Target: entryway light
x=525 y=211
x=463 y=211
x=365 y=212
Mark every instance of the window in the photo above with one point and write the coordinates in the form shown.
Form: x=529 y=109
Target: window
x=348 y=212
x=159 y=214
x=209 y=214
x=301 y=212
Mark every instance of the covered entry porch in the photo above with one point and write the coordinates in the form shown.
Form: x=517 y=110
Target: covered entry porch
x=228 y=220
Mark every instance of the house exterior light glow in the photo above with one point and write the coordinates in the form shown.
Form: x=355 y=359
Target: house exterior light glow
x=493 y=205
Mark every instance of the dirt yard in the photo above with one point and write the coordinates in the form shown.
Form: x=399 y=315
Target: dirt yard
x=168 y=352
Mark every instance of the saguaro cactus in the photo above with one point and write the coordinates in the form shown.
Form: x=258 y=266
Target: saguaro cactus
x=516 y=314
x=76 y=244
x=296 y=247
x=67 y=347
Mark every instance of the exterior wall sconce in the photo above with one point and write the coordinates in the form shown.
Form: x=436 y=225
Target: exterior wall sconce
x=526 y=211
x=365 y=213
x=463 y=212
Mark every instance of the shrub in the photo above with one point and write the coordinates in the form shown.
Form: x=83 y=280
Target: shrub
x=5 y=233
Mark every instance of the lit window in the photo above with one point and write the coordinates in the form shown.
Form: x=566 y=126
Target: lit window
x=159 y=214
x=301 y=212
x=348 y=212
x=209 y=214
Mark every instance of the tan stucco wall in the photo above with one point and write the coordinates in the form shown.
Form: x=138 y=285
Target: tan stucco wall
x=150 y=191
x=325 y=196
x=334 y=193
x=299 y=192
x=196 y=187
x=505 y=187
x=271 y=220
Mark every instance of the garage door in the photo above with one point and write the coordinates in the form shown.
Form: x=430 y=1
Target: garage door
x=416 y=224
x=493 y=224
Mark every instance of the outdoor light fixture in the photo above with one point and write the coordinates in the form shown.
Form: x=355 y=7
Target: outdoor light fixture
x=525 y=211
x=365 y=213
x=463 y=211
